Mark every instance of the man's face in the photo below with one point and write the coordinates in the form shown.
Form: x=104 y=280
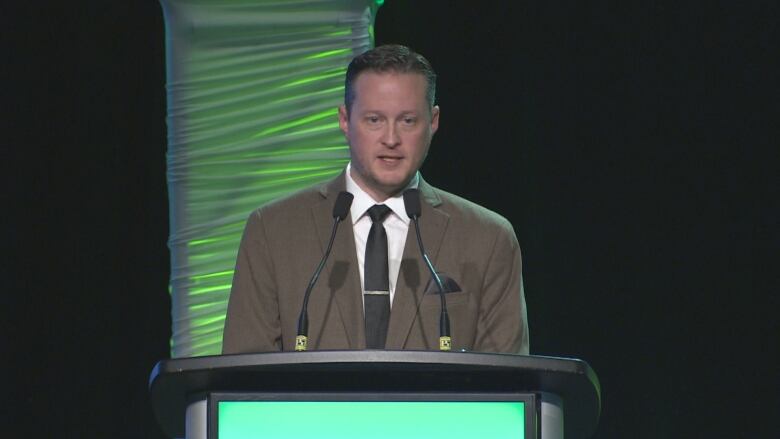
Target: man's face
x=389 y=130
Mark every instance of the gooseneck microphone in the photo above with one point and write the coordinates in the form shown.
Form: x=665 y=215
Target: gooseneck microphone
x=340 y=211
x=413 y=209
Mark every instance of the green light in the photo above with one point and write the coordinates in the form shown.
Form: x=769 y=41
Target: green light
x=209 y=329
x=202 y=241
x=196 y=291
x=226 y=273
x=311 y=176
x=315 y=129
x=203 y=321
x=286 y=170
x=337 y=91
x=294 y=151
x=208 y=345
x=340 y=33
x=203 y=256
x=377 y=420
x=329 y=53
x=334 y=74
x=333 y=112
x=202 y=306
x=216 y=241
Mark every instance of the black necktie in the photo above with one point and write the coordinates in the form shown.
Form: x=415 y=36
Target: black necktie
x=376 y=280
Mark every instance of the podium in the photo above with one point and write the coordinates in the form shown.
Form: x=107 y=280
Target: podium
x=391 y=393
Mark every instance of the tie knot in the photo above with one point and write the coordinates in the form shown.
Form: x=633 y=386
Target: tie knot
x=378 y=212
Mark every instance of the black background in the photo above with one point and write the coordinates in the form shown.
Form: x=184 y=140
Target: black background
x=633 y=145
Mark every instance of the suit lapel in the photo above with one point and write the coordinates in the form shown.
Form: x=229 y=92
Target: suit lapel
x=413 y=274
x=340 y=273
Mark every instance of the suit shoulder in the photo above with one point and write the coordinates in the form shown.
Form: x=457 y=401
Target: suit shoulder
x=471 y=212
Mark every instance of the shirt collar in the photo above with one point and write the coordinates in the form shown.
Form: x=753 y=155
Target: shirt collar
x=362 y=201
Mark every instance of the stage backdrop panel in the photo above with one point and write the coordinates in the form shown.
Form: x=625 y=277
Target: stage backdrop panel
x=253 y=88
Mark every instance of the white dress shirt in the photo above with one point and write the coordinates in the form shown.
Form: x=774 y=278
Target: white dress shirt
x=396 y=225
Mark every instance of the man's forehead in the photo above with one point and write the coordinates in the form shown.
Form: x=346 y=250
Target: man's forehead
x=394 y=91
x=398 y=97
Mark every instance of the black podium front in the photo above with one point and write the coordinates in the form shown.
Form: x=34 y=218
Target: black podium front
x=556 y=394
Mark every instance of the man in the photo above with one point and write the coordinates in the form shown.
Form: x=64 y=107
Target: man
x=389 y=119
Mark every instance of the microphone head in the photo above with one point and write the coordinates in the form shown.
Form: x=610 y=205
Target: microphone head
x=342 y=205
x=412 y=203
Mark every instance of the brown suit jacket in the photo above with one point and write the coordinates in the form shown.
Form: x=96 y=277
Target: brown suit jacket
x=284 y=241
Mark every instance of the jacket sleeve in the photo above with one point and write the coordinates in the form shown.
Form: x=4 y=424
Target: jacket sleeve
x=252 y=323
x=502 y=325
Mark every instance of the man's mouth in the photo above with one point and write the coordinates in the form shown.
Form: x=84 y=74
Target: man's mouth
x=390 y=159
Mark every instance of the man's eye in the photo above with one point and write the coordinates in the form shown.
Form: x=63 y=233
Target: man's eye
x=409 y=120
x=372 y=119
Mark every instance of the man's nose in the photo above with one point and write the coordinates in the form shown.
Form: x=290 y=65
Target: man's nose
x=390 y=136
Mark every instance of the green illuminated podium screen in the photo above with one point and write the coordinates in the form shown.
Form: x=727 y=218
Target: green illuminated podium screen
x=380 y=416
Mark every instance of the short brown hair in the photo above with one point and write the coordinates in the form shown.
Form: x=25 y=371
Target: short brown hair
x=389 y=58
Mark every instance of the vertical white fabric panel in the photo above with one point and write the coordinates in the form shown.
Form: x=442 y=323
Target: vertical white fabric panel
x=253 y=88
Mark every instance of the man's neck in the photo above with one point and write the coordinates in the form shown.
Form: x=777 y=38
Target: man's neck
x=377 y=195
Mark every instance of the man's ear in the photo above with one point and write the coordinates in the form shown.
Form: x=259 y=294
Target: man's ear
x=434 y=119
x=343 y=119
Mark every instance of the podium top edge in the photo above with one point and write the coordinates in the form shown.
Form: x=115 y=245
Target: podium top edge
x=430 y=359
